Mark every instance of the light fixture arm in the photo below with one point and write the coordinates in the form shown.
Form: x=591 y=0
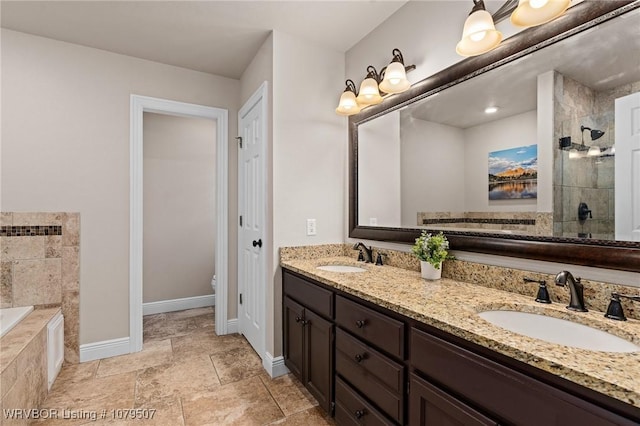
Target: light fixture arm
x=477 y=5
x=373 y=73
x=351 y=86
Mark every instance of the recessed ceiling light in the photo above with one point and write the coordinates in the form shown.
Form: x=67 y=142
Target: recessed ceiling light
x=490 y=110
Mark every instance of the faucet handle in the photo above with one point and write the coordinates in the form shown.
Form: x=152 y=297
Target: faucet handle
x=379 y=258
x=543 y=293
x=614 y=310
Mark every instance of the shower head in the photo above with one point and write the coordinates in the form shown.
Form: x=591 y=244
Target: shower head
x=595 y=133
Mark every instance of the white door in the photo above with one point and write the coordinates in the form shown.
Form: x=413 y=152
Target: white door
x=252 y=278
x=627 y=166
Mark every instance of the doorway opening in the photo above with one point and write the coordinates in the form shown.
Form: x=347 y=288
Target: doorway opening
x=139 y=106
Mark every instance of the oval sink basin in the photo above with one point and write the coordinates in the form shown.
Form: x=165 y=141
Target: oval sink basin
x=556 y=330
x=341 y=268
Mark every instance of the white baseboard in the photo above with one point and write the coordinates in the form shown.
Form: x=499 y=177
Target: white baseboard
x=232 y=326
x=274 y=366
x=172 y=305
x=104 y=349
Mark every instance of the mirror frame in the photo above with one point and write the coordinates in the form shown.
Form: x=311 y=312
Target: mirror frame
x=619 y=255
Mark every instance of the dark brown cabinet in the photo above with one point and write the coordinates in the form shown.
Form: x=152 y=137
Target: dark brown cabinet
x=308 y=338
x=388 y=369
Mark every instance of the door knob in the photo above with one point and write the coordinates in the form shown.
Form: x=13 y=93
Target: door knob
x=257 y=243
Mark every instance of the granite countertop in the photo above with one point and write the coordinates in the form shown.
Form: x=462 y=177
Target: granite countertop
x=452 y=306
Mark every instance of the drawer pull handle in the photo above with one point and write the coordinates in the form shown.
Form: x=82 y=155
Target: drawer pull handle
x=360 y=357
x=359 y=414
x=360 y=323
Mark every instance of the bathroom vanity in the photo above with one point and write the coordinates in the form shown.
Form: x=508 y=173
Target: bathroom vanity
x=385 y=347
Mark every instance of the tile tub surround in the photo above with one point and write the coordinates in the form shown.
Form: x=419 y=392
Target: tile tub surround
x=452 y=306
x=23 y=362
x=40 y=266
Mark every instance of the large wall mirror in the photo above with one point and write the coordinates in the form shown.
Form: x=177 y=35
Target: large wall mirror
x=532 y=150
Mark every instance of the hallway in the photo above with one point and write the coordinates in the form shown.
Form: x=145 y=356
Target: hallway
x=185 y=375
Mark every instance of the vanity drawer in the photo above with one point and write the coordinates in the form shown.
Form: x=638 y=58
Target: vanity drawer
x=512 y=396
x=378 y=329
x=376 y=376
x=352 y=409
x=356 y=355
x=310 y=295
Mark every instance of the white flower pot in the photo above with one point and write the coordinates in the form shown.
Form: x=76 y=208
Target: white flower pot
x=429 y=272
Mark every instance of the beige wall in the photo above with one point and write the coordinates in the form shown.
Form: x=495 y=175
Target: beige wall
x=179 y=206
x=309 y=153
x=65 y=147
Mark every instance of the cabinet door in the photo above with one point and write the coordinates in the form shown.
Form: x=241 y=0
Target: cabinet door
x=430 y=406
x=293 y=337
x=318 y=358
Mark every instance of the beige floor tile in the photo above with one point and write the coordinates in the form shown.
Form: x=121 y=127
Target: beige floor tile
x=206 y=341
x=181 y=378
x=159 y=413
x=153 y=353
x=162 y=328
x=236 y=364
x=190 y=313
x=310 y=417
x=87 y=396
x=240 y=403
x=74 y=373
x=289 y=393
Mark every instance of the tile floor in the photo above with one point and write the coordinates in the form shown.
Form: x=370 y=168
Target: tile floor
x=188 y=375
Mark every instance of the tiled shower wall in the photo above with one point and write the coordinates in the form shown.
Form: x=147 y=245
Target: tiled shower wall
x=41 y=267
x=587 y=179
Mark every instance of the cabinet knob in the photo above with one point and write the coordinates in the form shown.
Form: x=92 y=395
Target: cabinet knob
x=360 y=357
x=360 y=323
x=298 y=319
x=359 y=414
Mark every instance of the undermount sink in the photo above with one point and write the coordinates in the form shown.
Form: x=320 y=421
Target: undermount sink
x=560 y=331
x=341 y=268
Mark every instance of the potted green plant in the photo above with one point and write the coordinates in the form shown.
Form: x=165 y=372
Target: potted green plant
x=432 y=250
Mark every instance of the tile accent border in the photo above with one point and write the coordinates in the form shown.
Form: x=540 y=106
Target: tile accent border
x=479 y=220
x=30 y=231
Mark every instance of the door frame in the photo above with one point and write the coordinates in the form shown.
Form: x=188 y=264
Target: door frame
x=260 y=95
x=138 y=106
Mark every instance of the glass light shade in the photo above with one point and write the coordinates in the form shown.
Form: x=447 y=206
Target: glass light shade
x=395 y=79
x=348 y=104
x=479 y=35
x=530 y=13
x=369 y=94
x=593 y=151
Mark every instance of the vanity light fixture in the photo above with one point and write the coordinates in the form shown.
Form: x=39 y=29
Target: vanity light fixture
x=348 y=104
x=531 y=13
x=369 y=93
x=479 y=34
x=391 y=79
x=491 y=110
x=395 y=75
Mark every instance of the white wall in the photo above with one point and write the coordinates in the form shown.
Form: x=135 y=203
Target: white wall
x=179 y=208
x=433 y=168
x=309 y=152
x=511 y=132
x=65 y=147
x=379 y=171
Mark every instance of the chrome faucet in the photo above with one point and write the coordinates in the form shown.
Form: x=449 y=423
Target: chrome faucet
x=576 y=289
x=368 y=252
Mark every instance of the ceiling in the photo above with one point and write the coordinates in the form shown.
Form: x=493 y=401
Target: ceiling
x=602 y=58
x=217 y=37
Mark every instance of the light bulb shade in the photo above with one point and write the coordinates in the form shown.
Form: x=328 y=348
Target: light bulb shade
x=530 y=13
x=395 y=79
x=573 y=153
x=369 y=94
x=348 y=104
x=479 y=35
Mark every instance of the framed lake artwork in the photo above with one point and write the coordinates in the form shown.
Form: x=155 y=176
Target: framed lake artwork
x=513 y=173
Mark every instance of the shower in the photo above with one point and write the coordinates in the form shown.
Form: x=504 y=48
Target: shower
x=595 y=133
